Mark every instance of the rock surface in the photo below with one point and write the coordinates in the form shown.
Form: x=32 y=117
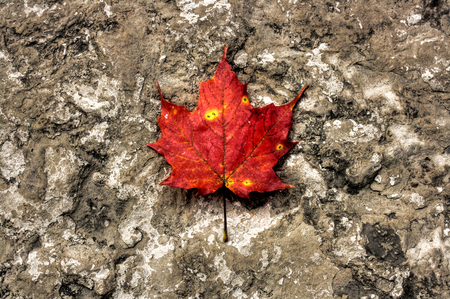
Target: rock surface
x=82 y=214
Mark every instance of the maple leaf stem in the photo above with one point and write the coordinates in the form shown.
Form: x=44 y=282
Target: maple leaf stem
x=225 y=234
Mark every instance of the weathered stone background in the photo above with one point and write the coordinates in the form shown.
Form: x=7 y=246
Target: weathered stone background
x=81 y=211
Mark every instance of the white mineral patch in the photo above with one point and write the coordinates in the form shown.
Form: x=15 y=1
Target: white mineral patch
x=349 y=247
x=364 y=133
x=316 y=258
x=401 y=33
x=340 y=196
x=89 y=104
x=33 y=265
x=139 y=85
x=121 y=272
x=47 y=241
x=424 y=251
x=116 y=166
x=70 y=265
x=433 y=39
x=266 y=57
x=346 y=222
x=277 y=256
x=315 y=59
x=14 y=75
x=443 y=121
x=225 y=274
x=96 y=134
x=332 y=84
x=12 y=161
x=107 y=10
x=446 y=232
x=441 y=62
x=427 y=75
x=323 y=72
x=22 y=134
x=441 y=161
x=202 y=276
x=417 y=199
x=62 y=114
x=4 y=56
x=68 y=234
x=13 y=203
x=99 y=279
x=11 y=71
x=264 y=259
x=130 y=235
x=266 y=100
x=61 y=166
x=400 y=276
x=383 y=90
x=308 y=175
x=238 y=293
x=255 y=294
x=282 y=92
x=350 y=131
x=37 y=9
x=394 y=179
x=376 y=158
x=135 y=280
x=188 y=8
x=280 y=282
x=241 y=59
x=439 y=208
x=413 y=19
x=203 y=221
x=104 y=98
x=404 y=138
x=330 y=226
x=140 y=219
x=244 y=228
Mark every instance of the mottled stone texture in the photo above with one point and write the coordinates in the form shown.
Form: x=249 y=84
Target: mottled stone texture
x=82 y=214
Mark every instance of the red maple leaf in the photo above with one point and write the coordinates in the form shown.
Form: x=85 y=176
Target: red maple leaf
x=225 y=141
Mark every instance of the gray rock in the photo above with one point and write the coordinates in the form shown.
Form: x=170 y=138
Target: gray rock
x=82 y=214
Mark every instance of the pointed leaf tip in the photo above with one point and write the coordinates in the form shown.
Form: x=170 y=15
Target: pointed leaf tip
x=159 y=89
x=224 y=56
x=300 y=94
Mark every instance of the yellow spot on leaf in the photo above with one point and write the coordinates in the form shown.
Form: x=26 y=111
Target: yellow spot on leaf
x=229 y=183
x=247 y=183
x=279 y=147
x=245 y=100
x=211 y=114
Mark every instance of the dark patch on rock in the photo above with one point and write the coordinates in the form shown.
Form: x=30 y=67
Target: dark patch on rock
x=383 y=243
x=355 y=289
